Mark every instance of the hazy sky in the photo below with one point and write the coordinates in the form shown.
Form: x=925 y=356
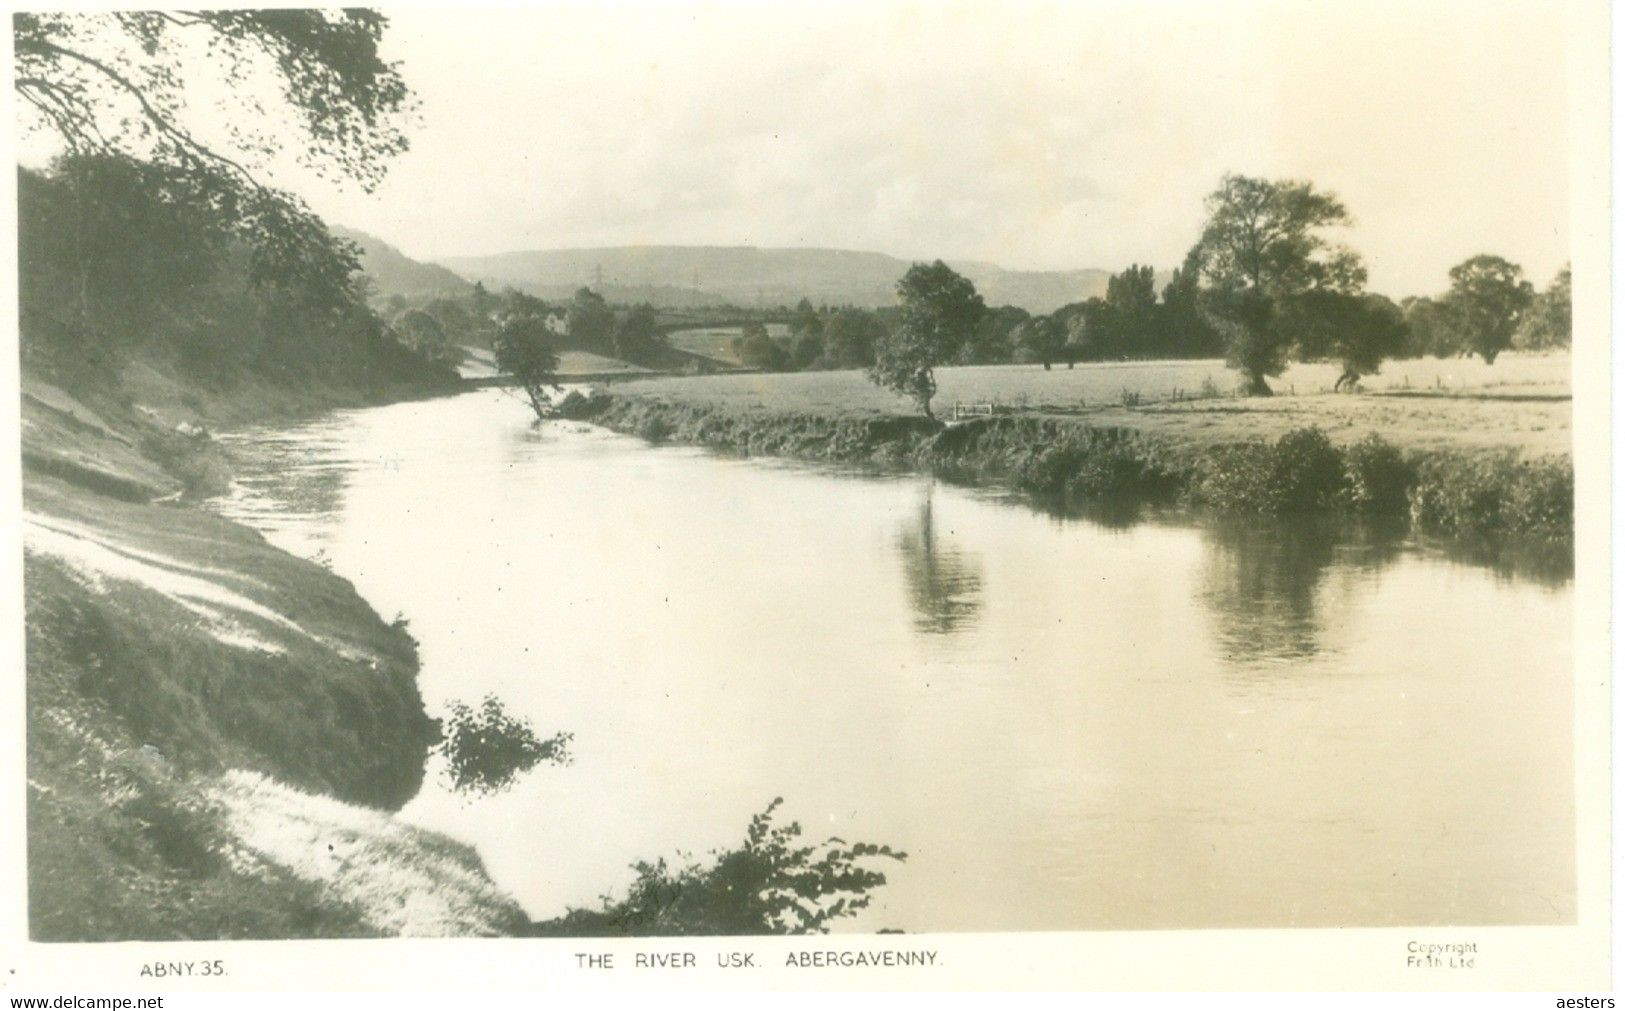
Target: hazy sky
x=1033 y=135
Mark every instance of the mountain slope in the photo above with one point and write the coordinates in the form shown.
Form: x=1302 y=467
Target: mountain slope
x=751 y=276
x=395 y=273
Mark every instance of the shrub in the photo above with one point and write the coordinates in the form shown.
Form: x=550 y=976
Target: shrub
x=577 y=406
x=486 y=749
x=1377 y=476
x=1495 y=496
x=773 y=884
x=1300 y=472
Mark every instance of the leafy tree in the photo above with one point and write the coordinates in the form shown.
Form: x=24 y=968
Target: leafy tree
x=122 y=85
x=1357 y=331
x=420 y=330
x=1186 y=330
x=1487 y=299
x=1432 y=330
x=806 y=320
x=1260 y=250
x=756 y=350
x=590 y=320
x=992 y=339
x=939 y=310
x=1042 y=339
x=524 y=350
x=487 y=748
x=1550 y=321
x=850 y=336
x=636 y=335
x=806 y=349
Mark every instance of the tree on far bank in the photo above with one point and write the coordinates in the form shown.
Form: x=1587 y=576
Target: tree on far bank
x=1487 y=300
x=756 y=350
x=524 y=350
x=636 y=335
x=1356 y=331
x=1550 y=320
x=590 y=321
x=1261 y=250
x=939 y=309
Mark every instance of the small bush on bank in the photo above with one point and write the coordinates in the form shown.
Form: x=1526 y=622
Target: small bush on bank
x=577 y=406
x=773 y=884
x=1377 y=476
x=1300 y=472
x=486 y=749
x=1494 y=496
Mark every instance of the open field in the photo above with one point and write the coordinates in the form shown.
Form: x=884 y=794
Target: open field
x=716 y=342
x=1520 y=402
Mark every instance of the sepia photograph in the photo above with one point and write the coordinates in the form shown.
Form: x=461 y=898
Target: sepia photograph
x=733 y=469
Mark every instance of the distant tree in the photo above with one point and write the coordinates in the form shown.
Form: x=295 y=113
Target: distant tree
x=1041 y=339
x=590 y=321
x=1356 y=331
x=806 y=349
x=483 y=302
x=1132 y=298
x=1487 y=300
x=850 y=336
x=1260 y=250
x=423 y=332
x=1186 y=332
x=939 y=309
x=756 y=350
x=1432 y=331
x=806 y=320
x=1550 y=321
x=524 y=350
x=636 y=335
x=991 y=340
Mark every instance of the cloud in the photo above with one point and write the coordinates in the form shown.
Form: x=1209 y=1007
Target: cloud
x=1030 y=134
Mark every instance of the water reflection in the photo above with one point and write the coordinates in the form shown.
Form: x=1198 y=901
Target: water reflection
x=944 y=583
x=1262 y=581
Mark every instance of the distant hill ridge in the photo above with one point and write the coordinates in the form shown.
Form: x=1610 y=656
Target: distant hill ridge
x=692 y=276
x=753 y=276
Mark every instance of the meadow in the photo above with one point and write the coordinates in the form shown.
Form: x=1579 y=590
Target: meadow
x=1520 y=402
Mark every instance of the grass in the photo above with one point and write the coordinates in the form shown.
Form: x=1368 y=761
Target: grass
x=1519 y=403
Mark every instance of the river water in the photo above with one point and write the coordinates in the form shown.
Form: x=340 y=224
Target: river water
x=1065 y=724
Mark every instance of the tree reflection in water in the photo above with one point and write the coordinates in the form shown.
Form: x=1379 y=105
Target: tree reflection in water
x=944 y=583
x=1262 y=580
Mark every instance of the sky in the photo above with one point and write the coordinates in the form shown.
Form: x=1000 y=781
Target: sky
x=1033 y=135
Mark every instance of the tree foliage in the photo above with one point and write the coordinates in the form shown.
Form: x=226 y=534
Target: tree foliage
x=487 y=748
x=1487 y=300
x=124 y=86
x=1550 y=320
x=773 y=884
x=1356 y=331
x=524 y=350
x=590 y=321
x=1261 y=250
x=939 y=310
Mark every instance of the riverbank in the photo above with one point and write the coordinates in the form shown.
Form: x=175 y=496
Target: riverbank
x=1282 y=455
x=216 y=729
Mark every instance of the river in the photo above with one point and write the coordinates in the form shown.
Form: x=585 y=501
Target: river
x=1067 y=725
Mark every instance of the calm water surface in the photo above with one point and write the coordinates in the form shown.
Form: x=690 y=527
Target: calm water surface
x=1066 y=725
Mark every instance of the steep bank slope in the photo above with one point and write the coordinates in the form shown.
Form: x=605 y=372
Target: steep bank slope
x=216 y=729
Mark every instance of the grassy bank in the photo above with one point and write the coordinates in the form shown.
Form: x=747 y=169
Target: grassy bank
x=1076 y=460
x=216 y=729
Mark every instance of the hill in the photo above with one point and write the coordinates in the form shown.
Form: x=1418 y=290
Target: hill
x=679 y=276
x=395 y=273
